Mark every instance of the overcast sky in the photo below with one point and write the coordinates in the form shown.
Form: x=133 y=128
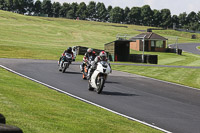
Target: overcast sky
x=176 y=6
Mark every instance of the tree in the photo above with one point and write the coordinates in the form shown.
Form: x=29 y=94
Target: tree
x=146 y=14
x=134 y=15
x=175 y=20
x=56 y=9
x=91 y=10
x=192 y=17
x=109 y=9
x=64 y=9
x=38 y=7
x=166 y=18
x=47 y=7
x=71 y=14
x=183 y=19
x=9 y=4
x=198 y=16
x=126 y=12
x=101 y=12
x=82 y=11
x=29 y=6
x=116 y=15
x=194 y=26
x=2 y=5
x=156 y=19
x=19 y=6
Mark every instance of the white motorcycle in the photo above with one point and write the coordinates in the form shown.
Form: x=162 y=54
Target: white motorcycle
x=99 y=76
x=65 y=62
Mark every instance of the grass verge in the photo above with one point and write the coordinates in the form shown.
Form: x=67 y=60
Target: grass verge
x=184 y=76
x=38 y=109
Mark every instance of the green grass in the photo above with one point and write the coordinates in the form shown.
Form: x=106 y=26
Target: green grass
x=38 y=109
x=184 y=76
x=45 y=38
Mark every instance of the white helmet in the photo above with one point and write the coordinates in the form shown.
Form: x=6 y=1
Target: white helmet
x=103 y=55
x=89 y=50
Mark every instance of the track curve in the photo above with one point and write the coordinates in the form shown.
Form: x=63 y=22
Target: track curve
x=188 y=47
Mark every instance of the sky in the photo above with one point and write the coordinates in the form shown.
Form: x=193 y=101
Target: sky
x=175 y=6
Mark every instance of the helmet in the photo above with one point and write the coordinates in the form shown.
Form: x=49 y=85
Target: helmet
x=102 y=55
x=89 y=50
x=69 y=49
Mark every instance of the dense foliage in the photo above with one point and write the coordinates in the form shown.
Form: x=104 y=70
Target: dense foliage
x=98 y=12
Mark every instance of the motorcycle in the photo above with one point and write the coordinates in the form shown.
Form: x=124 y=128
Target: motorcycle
x=85 y=71
x=65 y=62
x=99 y=76
x=86 y=67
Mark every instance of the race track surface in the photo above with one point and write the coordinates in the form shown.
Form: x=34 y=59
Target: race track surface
x=171 y=107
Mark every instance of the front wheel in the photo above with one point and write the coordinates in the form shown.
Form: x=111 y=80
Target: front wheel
x=90 y=87
x=100 y=84
x=64 y=67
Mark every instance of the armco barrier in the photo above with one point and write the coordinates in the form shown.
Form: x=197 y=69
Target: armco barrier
x=82 y=50
x=152 y=59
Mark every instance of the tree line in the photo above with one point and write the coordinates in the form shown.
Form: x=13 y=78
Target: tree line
x=99 y=12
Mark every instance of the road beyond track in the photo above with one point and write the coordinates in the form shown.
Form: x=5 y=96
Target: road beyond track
x=171 y=107
x=188 y=47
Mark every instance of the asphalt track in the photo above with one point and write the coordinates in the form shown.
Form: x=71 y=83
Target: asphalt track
x=169 y=106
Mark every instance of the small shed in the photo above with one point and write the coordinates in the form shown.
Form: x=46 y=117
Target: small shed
x=119 y=50
x=153 y=42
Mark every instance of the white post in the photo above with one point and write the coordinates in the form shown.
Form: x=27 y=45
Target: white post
x=176 y=45
x=143 y=49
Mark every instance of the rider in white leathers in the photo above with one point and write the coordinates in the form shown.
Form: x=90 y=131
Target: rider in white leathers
x=102 y=57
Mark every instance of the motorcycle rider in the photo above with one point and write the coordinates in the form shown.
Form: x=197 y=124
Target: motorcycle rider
x=89 y=54
x=74 y=51
x=69 y=51
x=102 y=57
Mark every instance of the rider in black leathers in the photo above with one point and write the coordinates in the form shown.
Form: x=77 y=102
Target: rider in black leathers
x=90 y=54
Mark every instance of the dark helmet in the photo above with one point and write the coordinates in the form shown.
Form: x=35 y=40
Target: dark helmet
x=69 y=49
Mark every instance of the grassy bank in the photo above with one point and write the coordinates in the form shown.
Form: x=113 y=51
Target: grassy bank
x=38 y=109
x=184 y=76
x=45 y=38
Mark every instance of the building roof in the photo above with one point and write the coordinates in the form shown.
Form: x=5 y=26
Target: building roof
x=117 y=41
x=149 y=36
